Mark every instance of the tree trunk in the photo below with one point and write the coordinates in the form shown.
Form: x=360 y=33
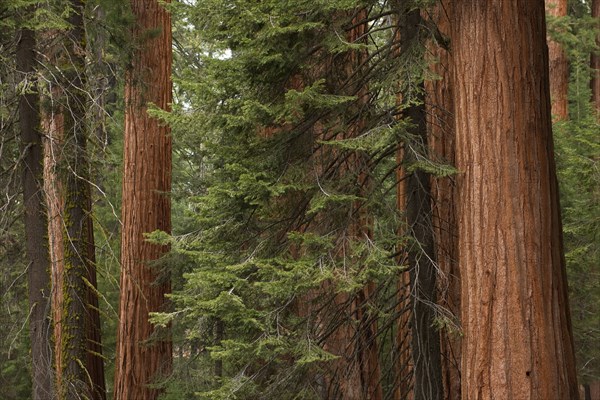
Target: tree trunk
x=36 y=222
x=52 y=126
x=78 y=360
x=517 y=339
x=97 y=77
x=559 y=66
x=403 y=364
x=425 y=340
x=143 y=358
x=94 y=359
x=440 y=129
x=595 y=61
x=80 y=258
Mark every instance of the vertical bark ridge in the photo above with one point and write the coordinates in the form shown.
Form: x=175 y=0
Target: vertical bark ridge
x=52 y=126
x=517 y=332
x=78 y=361
x=559 y=66
x=142 y=358
x=440 y=128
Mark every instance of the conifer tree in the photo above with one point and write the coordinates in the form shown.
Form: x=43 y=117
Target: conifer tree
x=78 y=353
x=35 y=216
x=515 y=312
x=143 y=355
x=578 y=152
x=293 y=287
x=420 y=253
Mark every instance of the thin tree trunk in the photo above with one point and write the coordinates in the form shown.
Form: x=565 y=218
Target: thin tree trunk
x=36 y=221
x=52 y=124
x=559 y=66
x=94 y=361
x=355 y=340
x=78 y=360
x=97 y=79
x=423 y=274
x=79 y=252
x=55 y=202
x=142 y=358
x=425 y=336
x=440 y=128
x=595 y=61
x=517 y=341
x=404 y=366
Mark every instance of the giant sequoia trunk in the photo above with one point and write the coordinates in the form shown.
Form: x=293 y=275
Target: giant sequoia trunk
x=440 y=130
x=517 y=341
x=36 y=221
x=559 y=67
x=142 y=358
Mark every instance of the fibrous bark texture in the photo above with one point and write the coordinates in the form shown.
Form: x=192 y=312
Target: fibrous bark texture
x=80 y=341
x=52 y=126
x=143 y=358
x=559 y=66
x=440 y=128
x=78 y=352
x=36 y=222
x=517 y=341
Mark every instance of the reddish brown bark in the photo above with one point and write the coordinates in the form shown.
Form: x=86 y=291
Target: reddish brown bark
x=52 y=122
x=78 y=352
x=142 y=359
x=595 y=61
x=593 y=391
x=559 y=66
x=404 y=367
x=440 y=128
x=404 y=373
x=52 y=126
x=517 y=341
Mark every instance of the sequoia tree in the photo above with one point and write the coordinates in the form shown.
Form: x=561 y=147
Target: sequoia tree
x=517 y=339
x=559 y=67
x=78 y=353
x=141 y=356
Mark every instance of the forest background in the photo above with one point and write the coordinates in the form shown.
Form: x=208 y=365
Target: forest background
x=308 y=229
